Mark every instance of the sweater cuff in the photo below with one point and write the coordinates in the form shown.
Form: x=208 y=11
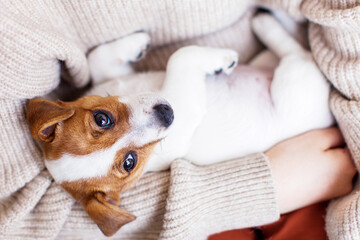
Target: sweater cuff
x=208 y=199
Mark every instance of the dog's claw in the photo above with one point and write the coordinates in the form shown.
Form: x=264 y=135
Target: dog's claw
x=139 y=55
x=142 y=52
x=232 y=64
x=218 y=71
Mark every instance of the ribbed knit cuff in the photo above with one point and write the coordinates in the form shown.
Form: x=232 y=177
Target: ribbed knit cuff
x=207 y=199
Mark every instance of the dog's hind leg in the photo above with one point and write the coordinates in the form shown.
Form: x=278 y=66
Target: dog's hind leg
x=274 y=36
x=111 y=60
x=185 y=87
x=298 y=90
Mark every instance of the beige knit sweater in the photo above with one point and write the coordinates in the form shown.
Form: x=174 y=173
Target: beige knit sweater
x=41 y=38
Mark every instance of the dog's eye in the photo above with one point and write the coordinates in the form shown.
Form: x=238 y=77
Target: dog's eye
x=130 y=161
x=103 y=119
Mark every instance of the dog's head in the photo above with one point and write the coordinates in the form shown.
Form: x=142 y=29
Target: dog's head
x=96 y=147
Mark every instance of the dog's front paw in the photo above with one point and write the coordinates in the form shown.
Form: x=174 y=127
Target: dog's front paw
x=111 y=59
x=130 y=48
x=121 y=51
x=228 y=61
x=142 y=42
x=207 y=60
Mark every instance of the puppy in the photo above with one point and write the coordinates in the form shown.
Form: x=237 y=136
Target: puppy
x=99 y=145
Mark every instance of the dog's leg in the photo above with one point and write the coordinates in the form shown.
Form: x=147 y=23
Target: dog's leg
x=112 y=59
x=299 y=91
x=185 y=89
x=266 y=58
x=274 y=36
x=186 y=71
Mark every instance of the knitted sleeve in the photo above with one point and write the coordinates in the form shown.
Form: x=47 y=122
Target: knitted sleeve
x=335 y=42
x=191 y=202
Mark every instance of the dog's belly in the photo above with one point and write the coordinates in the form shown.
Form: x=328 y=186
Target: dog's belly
x=240 y=119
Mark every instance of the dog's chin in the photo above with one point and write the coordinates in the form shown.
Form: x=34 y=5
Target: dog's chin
x=164 y=134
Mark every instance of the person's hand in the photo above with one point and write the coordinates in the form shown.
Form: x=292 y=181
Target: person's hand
x=310 y=168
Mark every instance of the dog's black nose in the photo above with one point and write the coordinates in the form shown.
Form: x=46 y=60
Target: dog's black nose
x=164 y=114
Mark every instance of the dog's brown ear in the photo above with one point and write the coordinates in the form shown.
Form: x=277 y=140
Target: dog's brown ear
x=109 y=218
x=43 y=116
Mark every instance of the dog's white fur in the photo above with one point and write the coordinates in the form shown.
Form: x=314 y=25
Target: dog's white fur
x=222 y=117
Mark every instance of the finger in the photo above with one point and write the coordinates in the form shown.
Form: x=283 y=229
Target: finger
x=331 y=138
x=341 y=153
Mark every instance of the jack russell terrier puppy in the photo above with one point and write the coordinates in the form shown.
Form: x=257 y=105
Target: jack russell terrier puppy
x=99 y=145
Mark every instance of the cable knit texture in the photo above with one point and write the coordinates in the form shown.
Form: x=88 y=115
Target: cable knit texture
x=40 y=39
